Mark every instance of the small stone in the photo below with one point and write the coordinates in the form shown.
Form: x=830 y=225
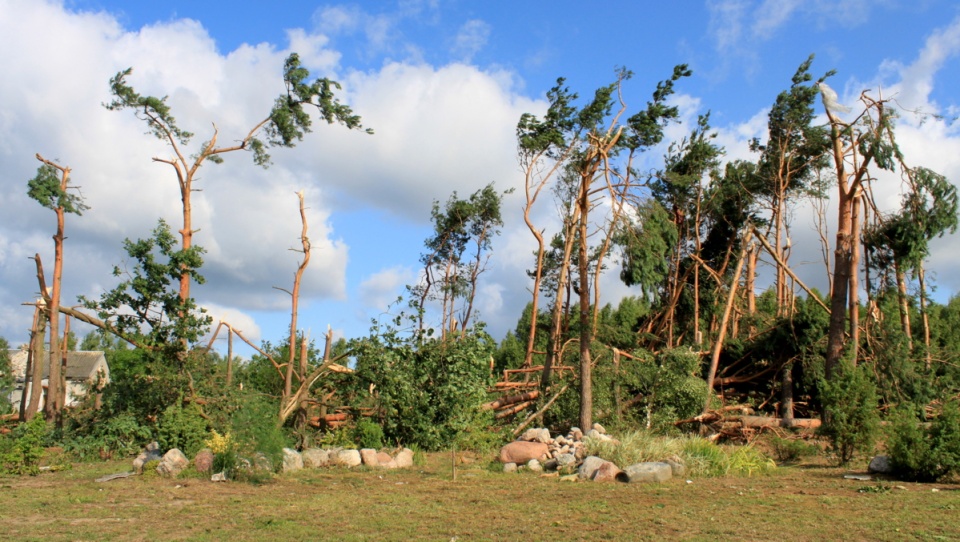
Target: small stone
x=349 y=458
x=880 y=465
x=203 y=461
x=368 y=457
x=570 y=478
x=315 y=457
x=509 y=467
x=599 y=429
x=593 y=433
x=172 y=464
x=219 y=477
x=534 y=465
x=576 y=433
x=292 y=460
x=677 y=467
x=404 y=458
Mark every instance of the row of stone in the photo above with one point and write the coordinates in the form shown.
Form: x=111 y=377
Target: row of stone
x=597 y=469
x=173 y=462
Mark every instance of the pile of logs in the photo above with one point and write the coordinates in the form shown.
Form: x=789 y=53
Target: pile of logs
x=507 y=406
x=737 y=423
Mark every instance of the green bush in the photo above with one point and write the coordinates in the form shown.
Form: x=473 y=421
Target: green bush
x=21 y=452
x=368 y=434
x=851 y=420
x=253 y=427
x=121 y=435
x=788 y=450
x=182 y=427
x=925 y=454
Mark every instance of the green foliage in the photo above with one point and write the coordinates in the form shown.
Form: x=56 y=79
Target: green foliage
x=368 y=434
x=253 y=428
x=116 y=436
x=22 y=450
x=46 y=188
x=646 y=248
x=926 y=454
x=851 y=419
x=147 y=306
x=788 y=450
x=426 y=392
x=669 y=388
x=182 y=427
x=6 y=377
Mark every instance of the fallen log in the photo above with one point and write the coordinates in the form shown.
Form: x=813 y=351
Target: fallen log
x=509 y=411
x=765 y=421
x=506 y=401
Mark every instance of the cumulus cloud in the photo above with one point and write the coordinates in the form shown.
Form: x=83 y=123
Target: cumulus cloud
x=381 y=289
x=471 y=38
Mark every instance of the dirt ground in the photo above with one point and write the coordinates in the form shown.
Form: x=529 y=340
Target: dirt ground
x=810 y=501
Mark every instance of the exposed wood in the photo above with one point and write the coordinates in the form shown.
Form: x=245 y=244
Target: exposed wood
x=510 y=411
x=540 y=412
x=506 y=401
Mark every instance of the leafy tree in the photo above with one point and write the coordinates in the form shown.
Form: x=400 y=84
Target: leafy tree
x=51 y=188
x=289 y=120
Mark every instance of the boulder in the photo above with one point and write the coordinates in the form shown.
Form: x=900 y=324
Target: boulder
x=172 y=464
x=677 y=467
x=589 y=467
x=368 y=457
x=404 y=458
x=203 y=461
x=880 y=465
x=292 y=460
x=349 y=458
x=384 y=460
x=606 y=472
x=509 y=467
x=150 y=453
x=520 y=451
x=534 y=465
x=654 y=471
x=315 y=457
x=566 y=461
x=599 y=429
x=536 y=435
x=219 y=477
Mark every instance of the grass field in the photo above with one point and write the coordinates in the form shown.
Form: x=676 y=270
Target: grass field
x=809 y=501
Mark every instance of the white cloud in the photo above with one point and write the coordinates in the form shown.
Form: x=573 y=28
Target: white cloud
x=471 y=38
x=381 y=289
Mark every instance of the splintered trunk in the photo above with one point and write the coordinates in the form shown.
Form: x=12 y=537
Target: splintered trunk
x=750 y=285
x=854 y=292
x=586 y=329
x=786 y=393
x=36 y=348
x=928 y=358
x=843 y=259
x=903 y=303
x=53 y=407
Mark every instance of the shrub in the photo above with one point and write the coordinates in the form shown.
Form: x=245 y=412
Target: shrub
x=368 y=434
x=851 y=420
x=926 y=454
x=790 y=449
x=182 y=427
x=22 y=450
x=253 y=427
x=119 y=435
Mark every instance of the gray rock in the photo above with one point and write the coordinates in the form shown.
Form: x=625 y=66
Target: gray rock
x=368 y=457
x=292 y=460
x=677 y=466
x=880 y=465
x=551 y=464
x=593 y=433
x=566 y=460
x=646 y=472
x=172 y=464
x=589 y=467
x=509 y=467
x=315 y=457
x=349 y=458
x=219 y=477
x=404 y=458
x=534 y=465
x=150 y=453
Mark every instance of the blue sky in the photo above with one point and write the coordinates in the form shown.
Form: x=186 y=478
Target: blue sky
x=443 y=83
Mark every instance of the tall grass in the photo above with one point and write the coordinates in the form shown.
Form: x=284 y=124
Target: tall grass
x=701 y=457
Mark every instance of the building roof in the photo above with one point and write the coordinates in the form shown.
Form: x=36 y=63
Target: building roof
x=81 y=365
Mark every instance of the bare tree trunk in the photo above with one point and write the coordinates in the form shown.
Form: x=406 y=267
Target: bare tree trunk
x=855 y=278
x=928 y=358
x=721 y=334
x=295 y=301
x=28 y=370
x=903 y=304
x=36 y=384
